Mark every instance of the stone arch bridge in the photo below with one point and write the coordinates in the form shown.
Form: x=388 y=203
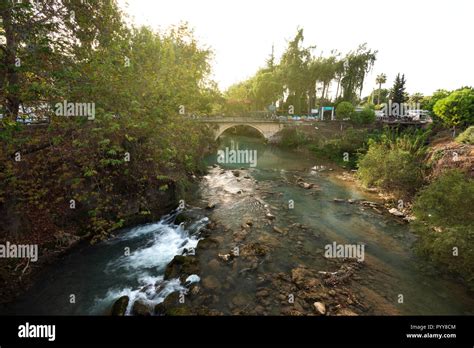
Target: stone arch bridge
x=266 y=127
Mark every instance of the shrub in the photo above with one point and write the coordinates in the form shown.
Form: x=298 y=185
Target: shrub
x=457 y=109
x=466 y=137
x=394 y=163
x=366 y=116
x=292 y=138
x=344 y=110
x=445 y=221
x=352 y=142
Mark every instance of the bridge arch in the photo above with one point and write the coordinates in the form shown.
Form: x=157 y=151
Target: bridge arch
x=223 y=127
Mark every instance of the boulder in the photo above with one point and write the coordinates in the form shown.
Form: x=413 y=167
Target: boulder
x=119 y=307
x=206 y=244
x=211 y=283
x=320 y=308
x=181 y=267
x=170 y=302
x=140 y=309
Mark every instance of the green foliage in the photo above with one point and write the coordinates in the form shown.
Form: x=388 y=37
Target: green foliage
x=351 y=142
x=380 y=80
x=344 y=110
x=132 y=155
x=397 y=93
x=444 y=220
x=394 y=162
x=466 y=137
x=365 y=116
x=292 y=138
x=357 y=64
x=457 y=109
x=428 y=103
x=293 y=80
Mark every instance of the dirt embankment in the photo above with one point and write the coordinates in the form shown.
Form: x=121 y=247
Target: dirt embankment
x=445 y=154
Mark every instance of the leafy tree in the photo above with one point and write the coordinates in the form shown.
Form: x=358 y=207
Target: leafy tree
x=428 y=102
x=137 y=79
x=294 y=67
x=344 y=110
x=356 y=65
x=416 y=98
x=457 y=109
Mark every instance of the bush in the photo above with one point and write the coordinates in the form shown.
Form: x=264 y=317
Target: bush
x=394 y=163
x=366 y=116
x=344 y=110
x=457 y=109
x=292 y=138
x=445 y=221
x=466 y=137
x=352 y=142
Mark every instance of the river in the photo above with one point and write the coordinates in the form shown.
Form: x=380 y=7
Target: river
x=278 y=231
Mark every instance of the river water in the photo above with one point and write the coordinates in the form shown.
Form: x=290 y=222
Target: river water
x=301 y=223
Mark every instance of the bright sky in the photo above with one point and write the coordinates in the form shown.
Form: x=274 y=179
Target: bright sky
x=430 y=41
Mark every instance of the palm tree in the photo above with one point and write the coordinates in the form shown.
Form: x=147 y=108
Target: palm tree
x=380 y=80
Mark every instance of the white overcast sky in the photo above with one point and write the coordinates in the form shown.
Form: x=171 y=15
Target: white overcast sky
x=430 y=41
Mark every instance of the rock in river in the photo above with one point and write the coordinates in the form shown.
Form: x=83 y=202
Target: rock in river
x=182 y=267
x=270 y=216
x=140 y=309
x=211 y=283
x=396 y=212
x=320 y=308
x=120 y=306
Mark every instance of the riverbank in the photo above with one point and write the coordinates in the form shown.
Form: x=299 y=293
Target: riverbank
x=415 y=173
x=77 y=183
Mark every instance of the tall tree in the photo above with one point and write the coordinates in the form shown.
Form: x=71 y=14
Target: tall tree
x=356 y=65
x=397 y=93
x=380 y=80
x=294 y=65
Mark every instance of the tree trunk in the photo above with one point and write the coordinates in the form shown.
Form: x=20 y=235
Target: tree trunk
x=378 y=97
x=12 y=97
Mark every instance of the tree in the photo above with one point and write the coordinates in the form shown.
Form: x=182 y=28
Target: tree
x=416 y=98
x=429 y=102
x=397 y=93
x=380 y=80
x=295 y=73
x=457 y=109
x=41 y=41
x=344 y=110
x=356 y=65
